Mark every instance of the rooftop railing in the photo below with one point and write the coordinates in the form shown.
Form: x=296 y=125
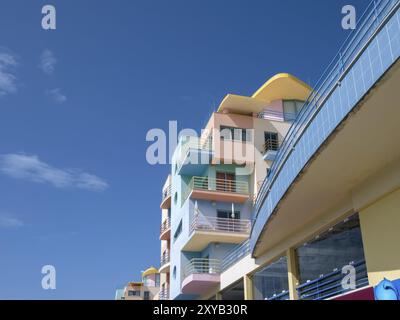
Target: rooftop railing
x=215 y=224
x=368 y=24
x=202 y=266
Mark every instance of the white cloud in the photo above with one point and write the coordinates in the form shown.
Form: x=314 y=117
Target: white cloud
x=20 y=166
x=56 y=95
x=7 y=77
x=48 y=62
x=8 y=222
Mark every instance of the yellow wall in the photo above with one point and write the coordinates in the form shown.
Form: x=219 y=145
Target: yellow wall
x=380 y=226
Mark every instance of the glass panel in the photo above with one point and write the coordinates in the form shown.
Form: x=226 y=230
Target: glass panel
x=272 y=282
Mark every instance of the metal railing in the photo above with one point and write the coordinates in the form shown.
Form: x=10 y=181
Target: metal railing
x=274 y=114
x=163 y=294
x=215 y=224
x=238 y=253
x=165 y=225
x=202 y=266
x=330 y=285
x=271 y=145
x=166 y=193
x=221 y=185
x=279 y=297
x=355 y=44
x=217 y=185
x=165 y=258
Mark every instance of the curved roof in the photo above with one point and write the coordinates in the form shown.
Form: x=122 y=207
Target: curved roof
x=283 y=86
x=149 y=271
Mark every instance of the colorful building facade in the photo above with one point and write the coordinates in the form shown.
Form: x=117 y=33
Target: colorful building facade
x=147 y=289
x=294 y=193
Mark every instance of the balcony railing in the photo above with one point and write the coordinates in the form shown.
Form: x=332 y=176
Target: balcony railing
x=215 y=224
x=193 y=143
x=220 y=185
x=330 y=285
x=274 y=114
x=163 y=294
x=238 y=253
x=165 y=225
x=217 y=185
x=202 y=266
x=166 y=193
x=271 y=145
x=165 y=258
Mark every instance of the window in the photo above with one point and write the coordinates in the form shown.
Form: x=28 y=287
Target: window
x=322 y=259
x=227 y=221
x=157 y=282
x=291 y=109
x=175 y=198
x=238 y=134
x=226 y=182
x=271 y=141
x=133 y=293
x=178 y=231
x=272 y=283
x=146 y=295
x=174 y=273
x=228 y=214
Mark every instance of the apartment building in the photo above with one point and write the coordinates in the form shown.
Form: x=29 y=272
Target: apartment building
x=207 y=199
x=326 y=218
x=147 y=289
x=313 y=212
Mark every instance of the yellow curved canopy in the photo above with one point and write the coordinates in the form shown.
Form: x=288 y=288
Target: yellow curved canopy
x=282 y=86
x=149 y=271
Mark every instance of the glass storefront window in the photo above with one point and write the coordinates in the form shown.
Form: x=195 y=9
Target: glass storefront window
x=271 y=283
x=320 y=261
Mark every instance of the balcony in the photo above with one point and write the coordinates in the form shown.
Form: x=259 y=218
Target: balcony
x=165 y=229
x=271 y=148
x=166 y=198
x=194 y=155
x=205 y=188
x=204 y=230
x=201 y=276
x=164 y=262
x=163 y=294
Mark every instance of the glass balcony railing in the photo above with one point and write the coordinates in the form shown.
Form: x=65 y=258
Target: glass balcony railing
x=202 y=266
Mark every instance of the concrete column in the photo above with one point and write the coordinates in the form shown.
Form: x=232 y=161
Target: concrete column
x=248 y=287
x=293 y=273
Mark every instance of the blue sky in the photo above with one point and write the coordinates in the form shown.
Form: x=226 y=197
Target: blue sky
x=76 y=103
